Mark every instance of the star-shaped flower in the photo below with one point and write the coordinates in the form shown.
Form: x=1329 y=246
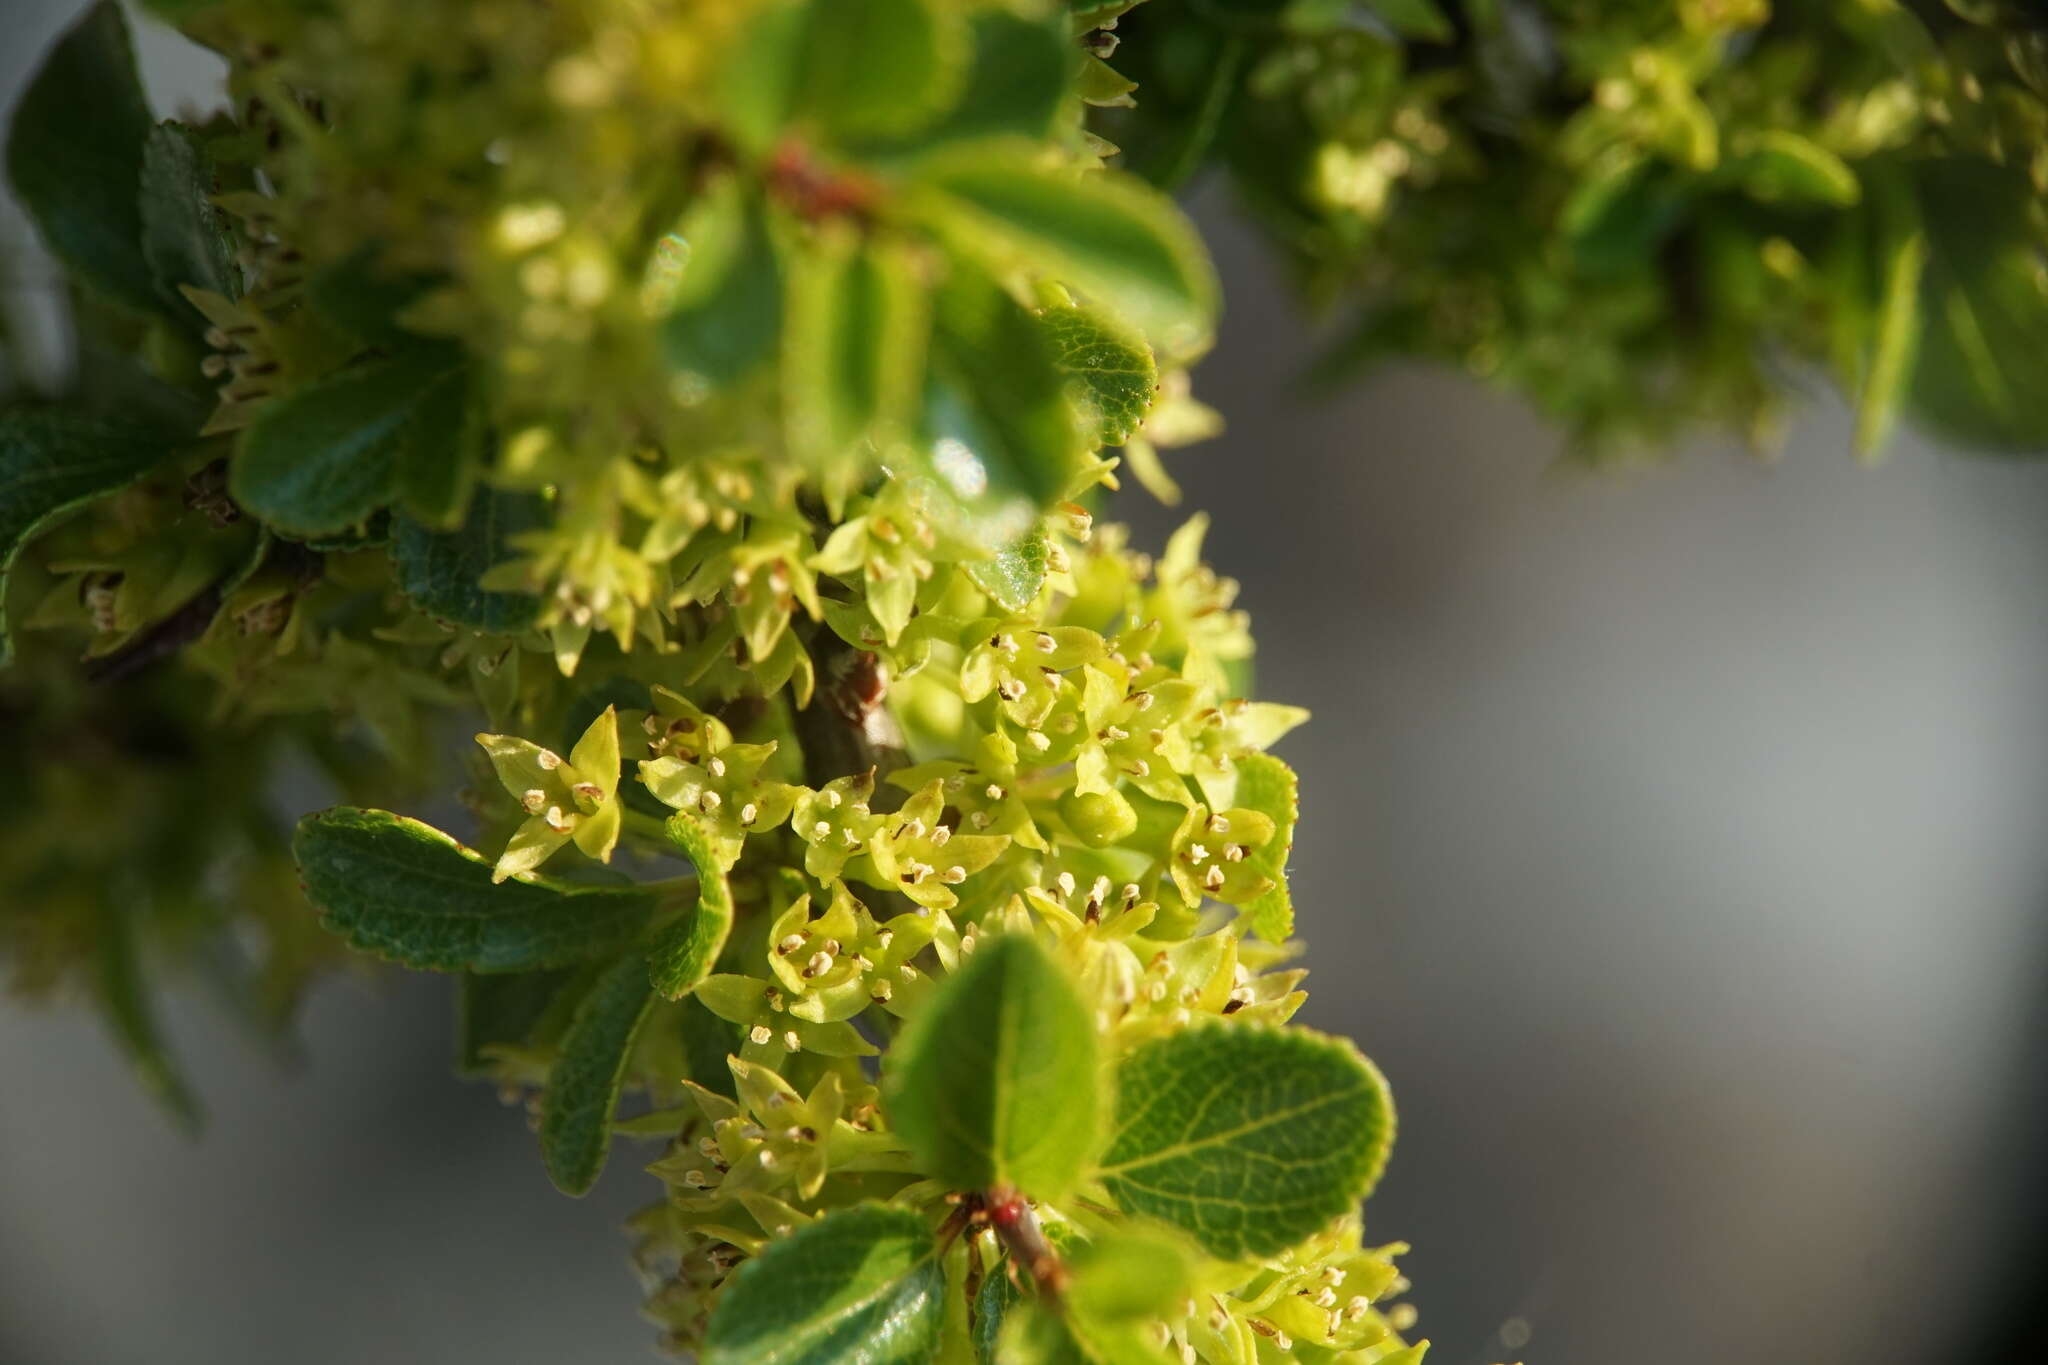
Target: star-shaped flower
x=565 y=800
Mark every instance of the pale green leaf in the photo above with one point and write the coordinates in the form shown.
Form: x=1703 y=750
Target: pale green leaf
x=1113 y=376
x=853 y=348
x=1249 y=1139
x=1268 y=786
x=997 y=1080
x=683 y=954
x=878 y=66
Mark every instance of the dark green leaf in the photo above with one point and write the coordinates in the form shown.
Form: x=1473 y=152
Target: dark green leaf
x=502 y=1009
x=999 y=1293
x=1268 y=786
x=1616 y=217
x=1248 y=1139
x=1422 y=19
x=1118 y=242
x=53 y=461
x=684 y=952
x=361 y=298
x=324 y=457
x=863 y=1284
x=74 y=155
x=998 y=1079
x=1114 y=377
x=1982 y=373
x=584 y=1083
x=709 y=1043
x=124 y=1002
x=407 y=892
x=878 y=66
x=184 y=238
x=439 y=570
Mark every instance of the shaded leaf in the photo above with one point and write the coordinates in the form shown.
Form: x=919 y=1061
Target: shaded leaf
x=584 y=1083
x=125 y=1005
x=405 y=891
x=878 y=66
x=184 y=238
x=54 y=461
x=501 y=1009
x=1249 y=1139
x=727 y=308
x=997 y=1080
x=863 y=1284
x=74 y=156
x=853 y=348
x=439 y=570
x=325 y=457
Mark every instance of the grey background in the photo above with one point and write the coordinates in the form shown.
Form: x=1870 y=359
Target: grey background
x=1670 y=839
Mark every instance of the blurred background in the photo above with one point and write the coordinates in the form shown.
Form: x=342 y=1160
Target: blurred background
x=1672 y=839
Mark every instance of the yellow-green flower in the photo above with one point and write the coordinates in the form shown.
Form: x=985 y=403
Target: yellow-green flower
x=564 y=800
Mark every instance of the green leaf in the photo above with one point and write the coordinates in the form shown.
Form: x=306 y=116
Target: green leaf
x=853 y=347
x=1892 y=348
x=1617 y=216
x=1783 y=167
x=863 y=1284
x=1014 y=574
x=184 y=238
x=1422 y=19
x=1268 y=786
x=74 y=155
x=54 y=461
x=439 y=570
x=1982 y=373
x=763 y=75
x=1018 y=81
x=407 y=892
x=1002 y=437
x=584 y=1083
x=1120 y=243
x=503 y=1009
x=878 y=66
x=727 y=308
x=1248 y=1139
x=325 y=457
x=997 y=1081
x=125 y=1004
x=1112 y=373
x=709 y=1044
x=684 y=953
x=362 y=299
x=1033 y=1334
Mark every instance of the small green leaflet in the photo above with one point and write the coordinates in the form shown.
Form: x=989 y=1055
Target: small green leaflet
x=439 y=570
x=1013 y=575
x=584 y=1083
x=407 y=892
x=324 y=457
x=998 y=1079
x=184 y=238
x=863 y=1284
x=1120 y=244
x=727 y=304
x=1114 y=377
x=54 y=461
x=74 y=156
x=1249 y=1139
x=1268 y=786
x=1782 y=167
x=684 y=953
